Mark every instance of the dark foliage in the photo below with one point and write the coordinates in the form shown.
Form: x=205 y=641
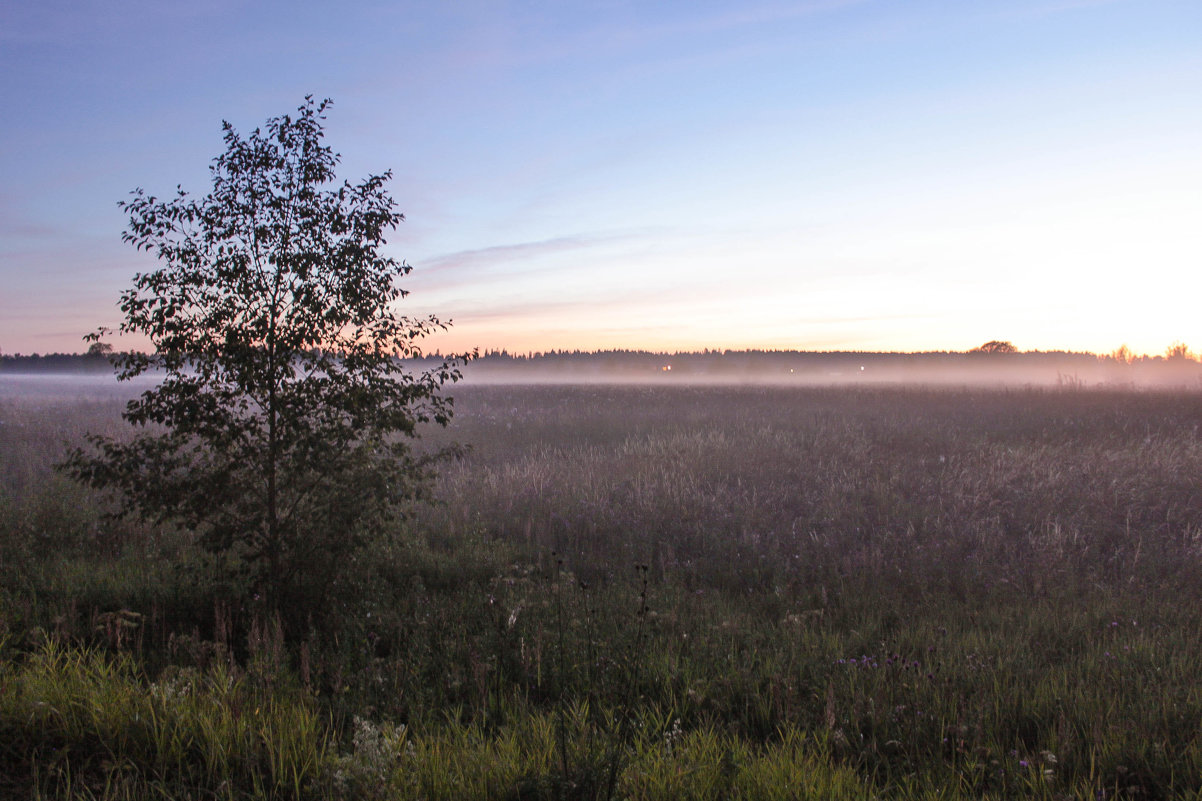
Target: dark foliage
x=281 y=429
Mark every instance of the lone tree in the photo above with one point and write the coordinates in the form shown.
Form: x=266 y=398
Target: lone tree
x=281 y=430
x=995 y=346
x=1178 y=352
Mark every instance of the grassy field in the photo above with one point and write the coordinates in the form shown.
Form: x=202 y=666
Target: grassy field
x=640 y=592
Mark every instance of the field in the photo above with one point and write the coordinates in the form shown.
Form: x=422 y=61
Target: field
x=640 y=592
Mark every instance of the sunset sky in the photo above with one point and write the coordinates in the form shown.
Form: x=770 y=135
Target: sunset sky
x=877 y=175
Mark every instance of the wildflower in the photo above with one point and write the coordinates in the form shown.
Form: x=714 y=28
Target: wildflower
x=672 y=735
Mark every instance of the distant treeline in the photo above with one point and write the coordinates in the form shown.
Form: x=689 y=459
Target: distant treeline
x=709 y=361
x=55 y=363
x=1005 y=365
x=1062 y=367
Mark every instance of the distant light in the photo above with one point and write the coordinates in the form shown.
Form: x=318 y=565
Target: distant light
x=861 y=368
x=667 y=368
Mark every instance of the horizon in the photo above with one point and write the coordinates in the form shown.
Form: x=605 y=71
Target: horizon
x=1126 y=353
x=1179 y=350
x=70 y=375
x=839 y=176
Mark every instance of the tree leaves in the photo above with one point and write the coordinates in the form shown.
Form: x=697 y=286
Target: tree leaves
x=281 y=425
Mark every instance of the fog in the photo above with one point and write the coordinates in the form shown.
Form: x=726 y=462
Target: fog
x=70 y=386
x=1042 y=370
x=1056 y=370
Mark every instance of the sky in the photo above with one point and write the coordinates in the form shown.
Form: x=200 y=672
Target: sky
x=878 y=175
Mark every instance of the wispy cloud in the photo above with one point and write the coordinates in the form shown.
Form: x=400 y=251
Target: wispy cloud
x=482 y=257
x=458 y=267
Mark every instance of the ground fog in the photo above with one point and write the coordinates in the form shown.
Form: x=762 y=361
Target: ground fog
x=652 y=591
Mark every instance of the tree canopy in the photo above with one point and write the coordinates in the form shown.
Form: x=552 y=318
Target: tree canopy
x=995 y=346
x=281 y=431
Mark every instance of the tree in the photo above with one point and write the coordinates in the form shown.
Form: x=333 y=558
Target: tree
x=281 y=430
x=995 y=346
x=1178 y=352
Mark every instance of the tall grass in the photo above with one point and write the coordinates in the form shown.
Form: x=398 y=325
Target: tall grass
x=854 y=592
x=79 y=723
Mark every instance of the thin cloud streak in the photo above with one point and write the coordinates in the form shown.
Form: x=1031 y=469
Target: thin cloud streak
x=517 y=261
x=481 y=259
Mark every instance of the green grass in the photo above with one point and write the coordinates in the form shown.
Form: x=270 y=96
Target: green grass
x=847 y=593
x=80 y=723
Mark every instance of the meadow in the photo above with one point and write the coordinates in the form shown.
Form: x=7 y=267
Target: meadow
x=647 y=592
